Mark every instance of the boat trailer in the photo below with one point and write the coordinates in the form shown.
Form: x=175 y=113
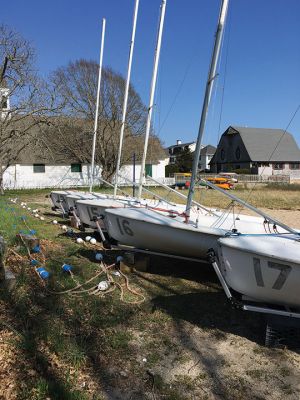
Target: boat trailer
x=283 y=324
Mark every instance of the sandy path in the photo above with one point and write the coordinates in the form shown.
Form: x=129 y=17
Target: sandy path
x=289 y=217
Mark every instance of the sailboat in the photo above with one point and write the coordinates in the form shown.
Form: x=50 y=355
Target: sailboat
x=262 y=269
x=97 y=208
x=189 y=234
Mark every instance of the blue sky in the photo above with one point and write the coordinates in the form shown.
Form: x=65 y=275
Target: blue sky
x=261 y=44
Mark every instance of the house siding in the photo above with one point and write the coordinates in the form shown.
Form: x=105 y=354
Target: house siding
x=60 y=176
x=225 y=154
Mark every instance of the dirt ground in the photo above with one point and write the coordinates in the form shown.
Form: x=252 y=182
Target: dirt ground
x=289 y=217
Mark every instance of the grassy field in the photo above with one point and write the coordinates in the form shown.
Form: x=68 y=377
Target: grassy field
x=183 y=342
x=280 y=196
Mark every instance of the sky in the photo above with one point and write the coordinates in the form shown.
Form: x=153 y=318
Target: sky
x=258 y=83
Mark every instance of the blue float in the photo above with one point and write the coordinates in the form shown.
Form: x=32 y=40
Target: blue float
x=67 y=268
x=99 y=256
x=43 y=273
x=34 y=262
x=36 y=249
x=119 y=259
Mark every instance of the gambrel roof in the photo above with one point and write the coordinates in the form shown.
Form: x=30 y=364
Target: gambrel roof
x=266 y=144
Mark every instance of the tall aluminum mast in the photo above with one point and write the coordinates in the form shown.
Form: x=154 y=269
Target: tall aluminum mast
x=97 y=106
x=126 y=95
x=152 y=92
x=208 y=90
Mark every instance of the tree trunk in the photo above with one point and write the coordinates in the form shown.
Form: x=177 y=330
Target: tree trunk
x=1 y=182
x=2 y=255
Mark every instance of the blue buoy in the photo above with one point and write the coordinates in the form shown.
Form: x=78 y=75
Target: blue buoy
x=119 y=259
x=32 y=232
x=44 y=274
x=34 y=262
x=99 y=256
x=23 y=218
x=67 y=268
x=36 y=249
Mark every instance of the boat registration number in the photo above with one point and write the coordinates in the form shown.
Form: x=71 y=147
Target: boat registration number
x=124 y=227
x=283 y=273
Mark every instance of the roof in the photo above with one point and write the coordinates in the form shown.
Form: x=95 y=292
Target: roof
x=181 y=145
x=209 y=149
x=267 y=144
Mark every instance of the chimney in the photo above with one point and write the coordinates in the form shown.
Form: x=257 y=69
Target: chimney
x=178 y=142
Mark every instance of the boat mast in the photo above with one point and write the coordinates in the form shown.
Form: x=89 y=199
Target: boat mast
x=152 y=92
x=208 y=90
x=126 y=95
x=97 y=105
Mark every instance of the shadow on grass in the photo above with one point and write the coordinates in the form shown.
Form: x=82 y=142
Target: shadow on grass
x=207 y=305
x=46 y=328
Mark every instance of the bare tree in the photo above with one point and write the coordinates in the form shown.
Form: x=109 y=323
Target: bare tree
x=76 y=87
x=24 y=102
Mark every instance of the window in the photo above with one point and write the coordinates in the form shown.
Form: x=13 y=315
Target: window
x=76 y=168
x=38 y=168
x=238 y=153
x=148 y=169
x=278 y=166
x=222 y=154
x=295 y=166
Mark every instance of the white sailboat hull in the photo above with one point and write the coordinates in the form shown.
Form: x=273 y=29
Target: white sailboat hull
x=159 y=233
x=88 y=210
x=58 y=198
x=264 y=268
x=72 y=199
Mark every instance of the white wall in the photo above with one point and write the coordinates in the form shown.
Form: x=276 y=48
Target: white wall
x=204 y=161
x=158 y=171
x=60 y=176
x=285 y=171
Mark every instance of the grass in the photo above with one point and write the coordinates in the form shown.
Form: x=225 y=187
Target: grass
x=272 y=196
x=83 y=348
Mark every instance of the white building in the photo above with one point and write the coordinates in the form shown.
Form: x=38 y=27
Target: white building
x=206 y=154
x=4 y=102
x=178 y=148
x=41 y=173
x=38 y=169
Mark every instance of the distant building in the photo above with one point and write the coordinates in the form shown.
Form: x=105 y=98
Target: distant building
x=178 y=148
x=258 y=151
x=44 y=170
x=206 y=154
x=52 y=166
x=4 y=101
